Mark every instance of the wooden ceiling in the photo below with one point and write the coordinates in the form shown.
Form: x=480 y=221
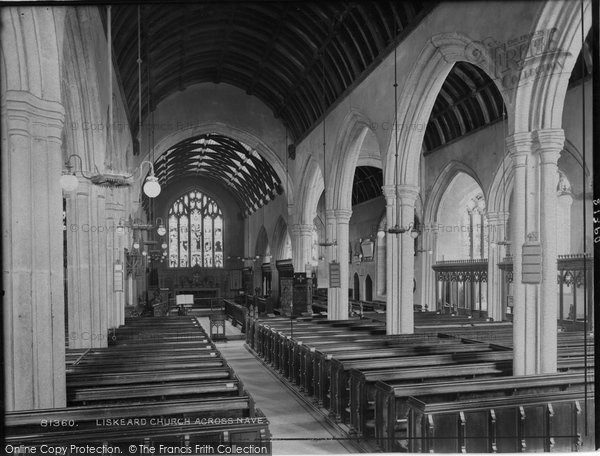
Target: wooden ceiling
x=251 y=179
x=468 y=101
x=299 y=58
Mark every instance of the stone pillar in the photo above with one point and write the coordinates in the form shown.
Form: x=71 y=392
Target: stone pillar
x=380 y=257
x=86 y=265
x=32 y=252
x=78 y=265
x=120 y=243
x=400 y=296
x=337 y=221
x=301 y=245
x=99 y=268
x=496 y=234
x=114 y=249
x=427 y=274
x=550 y=143
x=524 y=337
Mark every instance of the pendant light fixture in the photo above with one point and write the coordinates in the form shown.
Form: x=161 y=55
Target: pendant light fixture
x=505 y=241
x=396 y=229
x=334 y=242
x=151 y=186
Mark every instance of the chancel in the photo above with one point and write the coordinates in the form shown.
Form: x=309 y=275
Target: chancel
x=299 y=227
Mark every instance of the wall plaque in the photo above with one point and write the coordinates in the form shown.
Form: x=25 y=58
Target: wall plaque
x=118 y=276
x=532 y=262
x=335 y=277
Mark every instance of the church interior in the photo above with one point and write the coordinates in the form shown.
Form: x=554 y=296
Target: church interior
x=298 y=227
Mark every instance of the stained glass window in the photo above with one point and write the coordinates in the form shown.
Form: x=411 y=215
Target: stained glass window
x=195 y=232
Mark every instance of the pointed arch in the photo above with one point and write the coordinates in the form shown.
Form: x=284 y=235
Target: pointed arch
x=281 y=238
x=539 y=100
x=444 y=179
x=262 y=247
x=241 y=135
x=311 y=186
x=419 y=93
x=347 y=151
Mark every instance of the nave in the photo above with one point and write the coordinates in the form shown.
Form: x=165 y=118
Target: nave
x=450 y=390
x=393 y=200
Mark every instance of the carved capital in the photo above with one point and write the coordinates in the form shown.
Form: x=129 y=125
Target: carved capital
x=301 y=229
x=550 y=139
x=389 y=191
x=407 y=194
x=32 y=116
x=519 y=147
x=343 y=215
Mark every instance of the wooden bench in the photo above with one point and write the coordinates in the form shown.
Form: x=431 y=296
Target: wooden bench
x=149 y=392
x=532 y=423
x=341 y=382
x=362 y=383
x=153 y=376
x=322 y=365
x=92 y=424
x=391 y=410
x=237 y=313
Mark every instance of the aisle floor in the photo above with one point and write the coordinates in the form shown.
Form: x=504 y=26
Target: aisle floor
x=295 y=427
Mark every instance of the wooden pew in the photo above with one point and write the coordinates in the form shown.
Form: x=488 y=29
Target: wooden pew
x=391 y=409
x=80 y=425
x=149 y=392
x=237 y=313
x=322 y=366
x=552 y=422
x=341 y=402
x=362 y=383
x=153 y=376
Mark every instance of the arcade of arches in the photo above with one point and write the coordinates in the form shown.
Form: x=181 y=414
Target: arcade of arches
x=285 y=161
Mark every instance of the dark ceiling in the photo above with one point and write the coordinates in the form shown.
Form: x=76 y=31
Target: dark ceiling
x=277 y=51
x=583 y=65
x=468 y=100
x=250 y=177
x=367 y=184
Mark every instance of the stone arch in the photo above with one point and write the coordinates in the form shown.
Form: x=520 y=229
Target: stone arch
x=238 y=134
x=450 y=171
x=458 y=210
x=83 y=105
x=32 y=49
x=356 y=287
x=311 y=187
x=368 y=288
x=539 y=100
x=499 y=192
x=279 y=237
x=353 y=133
x=262 y=246
x=419 y=93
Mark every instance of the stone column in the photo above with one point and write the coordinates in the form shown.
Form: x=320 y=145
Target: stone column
x=550 y=143
x=120 y=243
x=427 y=274
x=32 y=252
x=114 y=249
x=99 y=269
x=78 y=266
x=519 y=146
x=380 y=257
x=391 y=244
x=496 y=234
x=400 y=297
x=301 y=245
x=86 y=265
x=337 y=221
